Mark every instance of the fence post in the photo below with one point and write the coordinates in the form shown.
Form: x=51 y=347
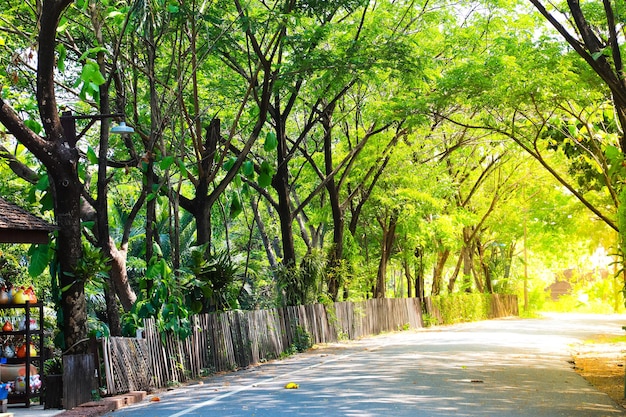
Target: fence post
x=79 y=379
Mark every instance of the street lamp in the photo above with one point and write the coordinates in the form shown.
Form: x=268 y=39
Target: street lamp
x=122 y=129
x=68 y=121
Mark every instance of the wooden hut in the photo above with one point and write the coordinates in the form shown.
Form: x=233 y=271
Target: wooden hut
x=19 y=226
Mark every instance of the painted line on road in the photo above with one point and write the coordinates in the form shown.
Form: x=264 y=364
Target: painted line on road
x=212 y=401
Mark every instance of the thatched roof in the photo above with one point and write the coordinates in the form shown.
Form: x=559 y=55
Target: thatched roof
x=19 y=226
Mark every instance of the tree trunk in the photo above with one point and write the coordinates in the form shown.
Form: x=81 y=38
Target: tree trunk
x=101 y=203
x=455 y=273
x=336 y=251
x=148 y=161
x=419 y=273
x=280 y=183
x=60 y=157
x=388 y=237
x=67 y=191
x=119 y=275
x=442 y=257
x=485 y=268
x=468 y=262
x=409 y=278
x=267 y=244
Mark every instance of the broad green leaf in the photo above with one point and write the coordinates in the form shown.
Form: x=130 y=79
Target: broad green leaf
x=166 y=162
x=228 y=164
x=267 y=168
x=39 y=259
x=47 y=202
x=62 y=51
x=270 y=142
x=265 y=180
x=248 y=169
x=183 y=168
x=91 y=155
x=92 y=52
x=43 y=183
x=612 y=153
x=235 y=206
x=33 y=125
x=573 y=130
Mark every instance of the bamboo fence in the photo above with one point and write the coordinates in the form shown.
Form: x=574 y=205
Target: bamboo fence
x=237 y=339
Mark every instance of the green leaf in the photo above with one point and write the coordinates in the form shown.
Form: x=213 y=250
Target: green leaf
x=91 y=155
x=270 y=142
x=68 y=286
x=63 y=24
x=33 y=125
x=612 y=153
x=265 y=177
x=62 y=51
x=267 y=168
x=166 y=162
x=39 y=259
x=248 y=169
x=92 y=52
x=264 y=180
x=235 y=206
x=573 y=130
x=229 y=163
x=91 y=74
x=47 y=202
x=88 y=72
x=183 y=168
x=43 y=183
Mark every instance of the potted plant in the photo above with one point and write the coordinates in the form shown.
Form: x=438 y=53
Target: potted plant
x=53 y=382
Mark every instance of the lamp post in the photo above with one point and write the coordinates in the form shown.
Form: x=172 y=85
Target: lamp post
x=68 y=121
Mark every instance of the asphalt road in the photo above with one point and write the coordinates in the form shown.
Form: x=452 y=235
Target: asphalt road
x=507 y=367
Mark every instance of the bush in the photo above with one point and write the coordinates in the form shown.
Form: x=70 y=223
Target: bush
x=463 y=307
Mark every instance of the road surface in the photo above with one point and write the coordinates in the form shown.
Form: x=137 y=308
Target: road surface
x=510 y=367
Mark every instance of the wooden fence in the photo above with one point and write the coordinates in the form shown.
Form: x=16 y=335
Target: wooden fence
x=237 y=339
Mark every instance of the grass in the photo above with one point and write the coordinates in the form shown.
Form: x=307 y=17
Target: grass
x=606 y=338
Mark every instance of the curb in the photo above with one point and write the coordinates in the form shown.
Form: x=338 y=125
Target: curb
x=106 y=405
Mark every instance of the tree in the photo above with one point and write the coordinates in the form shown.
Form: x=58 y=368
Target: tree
x=59 y=155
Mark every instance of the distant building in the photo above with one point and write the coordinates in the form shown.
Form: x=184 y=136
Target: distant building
x=558 y=289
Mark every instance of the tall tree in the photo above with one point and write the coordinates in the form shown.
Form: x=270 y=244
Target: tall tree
x=59 y=155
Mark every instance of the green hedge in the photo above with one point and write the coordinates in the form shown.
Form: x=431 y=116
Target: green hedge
x=462 y=307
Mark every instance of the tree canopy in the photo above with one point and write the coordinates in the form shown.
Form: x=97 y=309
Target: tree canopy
x=288 y=152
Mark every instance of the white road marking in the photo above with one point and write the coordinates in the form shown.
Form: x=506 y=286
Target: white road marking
x=214 y=400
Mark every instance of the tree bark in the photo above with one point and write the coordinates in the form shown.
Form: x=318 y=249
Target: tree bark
x=388 y=226
x=60 y=158
x=442 y=257
x=419 y=273
x=267 y=244
x=280 y=183
x=409 y=278
x=335 y=255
